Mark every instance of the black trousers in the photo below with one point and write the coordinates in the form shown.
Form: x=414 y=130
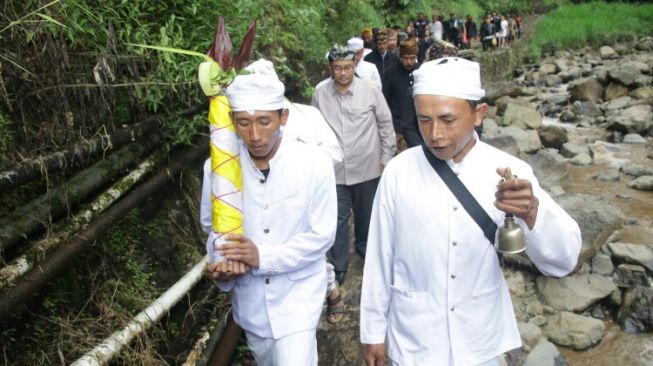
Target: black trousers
x=359 y=199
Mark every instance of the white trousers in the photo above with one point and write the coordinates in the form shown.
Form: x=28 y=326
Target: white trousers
x=297 y=349
x=331 y=277
x=492 y=362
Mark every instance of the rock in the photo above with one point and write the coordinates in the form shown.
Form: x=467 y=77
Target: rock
x=586 y=109
x=621 y=48
x=634 y=139
x=563 y=64
x=626 y=74
x=571 y=149
x=601 y=74
x=603 y=151
x=521 y=116
x=597 y=218
x=576 y=331
x=614 y=91
x=506 y=143
x=548 y=166
x=547 y=68
x=568 y=116
x=494 y=91
x=575 y=292
x=571 y=74
x=636 y=312
x=553 y=136
x=602 y=264
x=557 y=99
x=587 y=89
x=643 y=183
x=552 y=80
x=628 y=275
x=618 y=103
x=516 y=283
x=634 y=119
x=633 y=253
x=545 y=353
x=611 y=176
x=503 y=102
x=645 y=92
x=530 y=335
x=636 y=170
x=527 y=141
x=607 y=52
x=581 y=159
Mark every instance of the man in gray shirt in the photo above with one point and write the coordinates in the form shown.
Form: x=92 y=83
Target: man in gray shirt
x=359 y=115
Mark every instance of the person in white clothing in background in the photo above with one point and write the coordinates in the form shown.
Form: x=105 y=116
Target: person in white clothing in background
x=433 y=292
x=278 y=279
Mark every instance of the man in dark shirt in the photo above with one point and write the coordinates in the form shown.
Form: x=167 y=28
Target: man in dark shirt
x=398 y=80
x=380 y=55
x=420 y=24
x=472 y=32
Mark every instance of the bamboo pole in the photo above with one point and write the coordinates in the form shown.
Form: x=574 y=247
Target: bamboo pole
x=38 y=277
x=33 y=216
x=38 y=252
x=110 y=347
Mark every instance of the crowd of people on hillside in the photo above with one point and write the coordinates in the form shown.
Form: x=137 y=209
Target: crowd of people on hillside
x=494 y=32
x=432 y=291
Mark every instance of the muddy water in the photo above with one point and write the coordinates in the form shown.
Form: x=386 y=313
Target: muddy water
x=616 y=347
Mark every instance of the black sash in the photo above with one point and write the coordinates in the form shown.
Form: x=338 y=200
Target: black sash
x=462 y=194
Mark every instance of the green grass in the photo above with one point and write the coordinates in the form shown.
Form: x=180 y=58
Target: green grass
x=592 y=24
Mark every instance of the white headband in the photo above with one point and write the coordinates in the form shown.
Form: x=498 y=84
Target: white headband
x=254 y=92
x=449 y=76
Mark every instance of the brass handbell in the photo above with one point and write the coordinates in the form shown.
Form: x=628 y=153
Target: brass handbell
x=510 y=237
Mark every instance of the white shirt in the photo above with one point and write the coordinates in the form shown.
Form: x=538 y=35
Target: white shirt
x=432 y=283
x=436 y=30
x=291 y=217
x=306 y=124
x=366 y=71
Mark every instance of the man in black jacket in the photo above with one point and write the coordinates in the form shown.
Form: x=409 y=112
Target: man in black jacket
x=380 y=55
x=397 y=83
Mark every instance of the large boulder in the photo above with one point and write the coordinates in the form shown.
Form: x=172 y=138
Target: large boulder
x=575 y=331
x=587 y=89
x=607 y=52
x=527 y=141
x=494 y=91
x=530 y=335
x=636 y=170
x=548 y=68
x=636 y=312
x=571 y=149
x=597 y=219
x=633 y=253
x=545 y=353
x=614 y=91
x=586 y=109
x=626 y=74
x=643 y=183
x=549 y=167
x=645 y=92
x=575 y=292
x=634 y=119
x=521 y=116
x=553 y=136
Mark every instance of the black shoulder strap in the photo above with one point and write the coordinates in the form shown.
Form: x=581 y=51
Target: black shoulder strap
x=462 y=194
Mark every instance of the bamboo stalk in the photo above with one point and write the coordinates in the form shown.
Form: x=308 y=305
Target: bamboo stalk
x=59 y=259
x=107 y=350
x=22 y=264
x=33 y=216
x=82 y=153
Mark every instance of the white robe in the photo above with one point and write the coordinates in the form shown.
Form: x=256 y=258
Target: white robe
x=306 y=124
x=291 y=217
x=432 y=283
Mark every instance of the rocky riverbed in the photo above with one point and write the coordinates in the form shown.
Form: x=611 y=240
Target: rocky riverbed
x=583 y=119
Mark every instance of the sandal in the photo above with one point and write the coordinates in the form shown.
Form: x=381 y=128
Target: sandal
x=334 y=309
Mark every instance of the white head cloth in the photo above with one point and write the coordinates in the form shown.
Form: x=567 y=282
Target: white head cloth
x=355 y=44
x=449 y=76
x=260 y=90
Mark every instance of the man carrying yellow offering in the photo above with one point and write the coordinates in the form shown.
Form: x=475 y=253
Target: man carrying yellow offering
x=278 y=277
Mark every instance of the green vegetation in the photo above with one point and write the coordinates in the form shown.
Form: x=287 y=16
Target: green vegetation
x=592 y=24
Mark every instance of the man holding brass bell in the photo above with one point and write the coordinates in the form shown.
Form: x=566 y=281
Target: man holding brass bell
x=433 y=291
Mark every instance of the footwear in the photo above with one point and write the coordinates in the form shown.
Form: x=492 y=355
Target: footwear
x=340 y=277
x=334 y=309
